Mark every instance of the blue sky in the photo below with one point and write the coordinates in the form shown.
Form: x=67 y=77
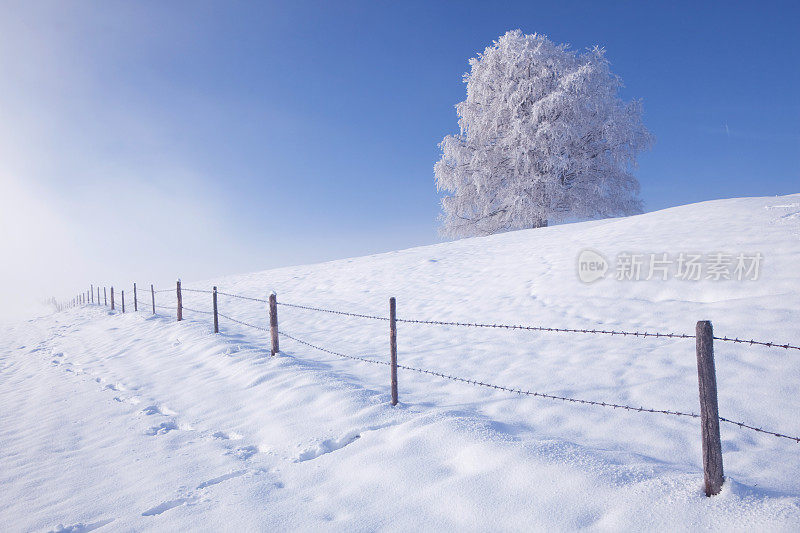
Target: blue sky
x=150 y=140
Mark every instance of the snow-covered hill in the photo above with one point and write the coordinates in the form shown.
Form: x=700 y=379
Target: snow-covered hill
x=136 y=422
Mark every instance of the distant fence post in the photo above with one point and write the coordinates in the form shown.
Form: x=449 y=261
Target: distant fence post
x=98 y=295
x=273 y=322
x=216 y=320
x=180 y=302
x=112 y=297
x=135 y=302
x=153 y=296
x=105 y=298
x=393 y=346
x=123 y=300
x=709 y=411
x=91 y=290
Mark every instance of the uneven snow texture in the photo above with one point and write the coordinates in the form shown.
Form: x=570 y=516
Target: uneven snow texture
x=137 y=422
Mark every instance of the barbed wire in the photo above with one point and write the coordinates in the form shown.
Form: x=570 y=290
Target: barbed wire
x=196 y=310
x=195 y=290
x=541 y=394
x=364 y=359
x=518 y=327
x=760 y=343
x=309 y=308
x=242 y=322
x=242 y=297
x=162 y=290
x=759 y=430
x=540 y=328
x=549 y=329
x=518 y=391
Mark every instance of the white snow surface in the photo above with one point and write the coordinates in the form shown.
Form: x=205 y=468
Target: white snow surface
x=137 y=422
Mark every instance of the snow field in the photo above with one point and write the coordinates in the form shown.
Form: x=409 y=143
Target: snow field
x=138 y=422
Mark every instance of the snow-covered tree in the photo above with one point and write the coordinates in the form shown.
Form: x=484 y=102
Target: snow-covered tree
x=543 y=136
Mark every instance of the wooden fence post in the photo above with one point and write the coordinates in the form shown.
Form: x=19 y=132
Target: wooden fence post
x=180 y=302
x=273 y=322
x=135 y=302
x=112 y=297
x=123 y=300
x=709 y=412
x=98 y=295
x=91 y=290
x=105 y=298
x=393 y=346
x=216 y=320
x=153 y=296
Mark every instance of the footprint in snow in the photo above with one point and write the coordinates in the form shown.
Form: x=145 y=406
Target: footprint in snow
x=132 y=400
x=327 y=446
x=221 y=478
x=221 y=435
x=81 y=527
x=244 y=453
x=162 y=428
x=158 y=410
x=193 y=497
x=171 y=504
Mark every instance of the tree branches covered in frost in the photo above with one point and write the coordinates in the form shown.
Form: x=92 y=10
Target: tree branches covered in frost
x=543 y=137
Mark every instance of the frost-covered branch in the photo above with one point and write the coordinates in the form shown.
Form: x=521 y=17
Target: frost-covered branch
x=542 y=136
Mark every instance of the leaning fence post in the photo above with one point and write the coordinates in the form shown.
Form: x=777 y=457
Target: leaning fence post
x=153 y=296
x=135 y=303
x=709 y=412
x=123 y=301
x=393 y=346
x=180 y=302
x=273 y=322
x=112 y=297
x=216 y=320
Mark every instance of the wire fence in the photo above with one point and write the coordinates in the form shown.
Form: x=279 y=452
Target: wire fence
x=595 y=331
x=272 y=328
